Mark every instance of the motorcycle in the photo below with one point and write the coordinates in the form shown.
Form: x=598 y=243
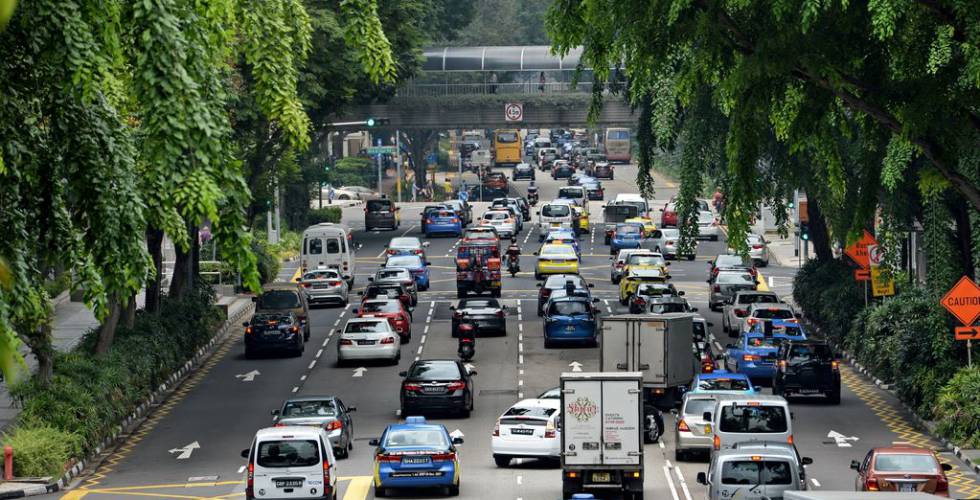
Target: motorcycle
x=513 y=265
x=532 y=199
x=467 y=341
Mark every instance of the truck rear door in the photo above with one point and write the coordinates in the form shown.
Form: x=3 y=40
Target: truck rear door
x=621 y=422
x=581 y=422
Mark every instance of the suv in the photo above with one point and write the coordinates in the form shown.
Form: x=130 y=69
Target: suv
x=285 y=299
x=524 y=171
x=282 y=460
x=738 y=308
x=381 y=214
x=273 y=331
x=807 y=367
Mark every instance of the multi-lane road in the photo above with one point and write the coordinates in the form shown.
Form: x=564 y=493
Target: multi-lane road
x=217 y=411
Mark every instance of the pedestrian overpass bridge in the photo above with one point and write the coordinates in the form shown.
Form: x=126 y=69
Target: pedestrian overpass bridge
x=484 y=87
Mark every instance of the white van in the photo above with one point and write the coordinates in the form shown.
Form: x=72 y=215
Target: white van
x=328 y=245
x=633 y=199
x=554 y=216
x=740 y=418
x=758 y=471
x=290 y=462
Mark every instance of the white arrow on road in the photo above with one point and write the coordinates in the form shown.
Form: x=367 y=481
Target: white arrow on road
x=576 y=366
x=248 y=377
x=456 y=434
x=840 y=439
x=186 y=451
x=359 y=372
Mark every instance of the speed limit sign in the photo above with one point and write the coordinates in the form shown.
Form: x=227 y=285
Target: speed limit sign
x=514 y=112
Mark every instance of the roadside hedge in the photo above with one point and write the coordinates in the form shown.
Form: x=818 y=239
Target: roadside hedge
x=90 y=396
x=829 y=296
x=325 y=214
x=958 y=408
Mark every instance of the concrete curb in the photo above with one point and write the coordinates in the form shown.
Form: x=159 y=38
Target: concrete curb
x=135 y=419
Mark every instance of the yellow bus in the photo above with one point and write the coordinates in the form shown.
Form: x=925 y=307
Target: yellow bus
x=617 y=141
x=507 y=147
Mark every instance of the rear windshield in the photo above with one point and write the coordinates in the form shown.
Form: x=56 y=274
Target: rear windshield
x=729 y=260
x=321 y=275
x=753 y=419
x=321 y=408
x=279 y=299
x=555 y=211
x=559 y=281
x=434 y=371
x=571 y=192
x=292 y=453
x=667 y=308
x=774 y=314
x=735 y=279
x=771 y=472
x=698 y=406
x=763 y=342
x=506 y=137
x=379 y=205
x=367 y=327
x=383 y=291
x=573 y=308
x=646 y=260
x=404 y=261
x=388 y=306
x=699 y=330
x=723 y=384
x=562 y=250
x=476 y=235
x=888 y=462
x=388 y=275
x=478 y=303
x=530 y=411
x=757 y=298
x=630 y=229
x=416 y=437
x=496 y=216
x=617 y=135
x=804 y=353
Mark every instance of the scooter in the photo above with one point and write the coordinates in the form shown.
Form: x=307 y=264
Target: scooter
x=467 y=341
x=532 y=199
x=513 y=265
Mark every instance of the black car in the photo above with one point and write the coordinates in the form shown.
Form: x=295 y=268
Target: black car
x=562 y=170
x=274 y=332
x=437 y=385
x=807 y=367
x=524 y=171
x=486 y=314
x=595 y=192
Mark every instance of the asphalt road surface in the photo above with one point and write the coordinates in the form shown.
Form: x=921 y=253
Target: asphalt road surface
x=220 y=411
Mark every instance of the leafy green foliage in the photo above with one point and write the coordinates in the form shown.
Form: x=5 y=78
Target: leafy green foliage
x=42 y=450
x=829 y=296
x=958 y=408
x=364 y=32
x=326 y=214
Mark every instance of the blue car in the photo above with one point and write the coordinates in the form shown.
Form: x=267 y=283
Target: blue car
x=722 y=382
x=570 y=319
x=415 y=264
x=625 y=236
x=754 y=353
x=415 y=454
x=443 y=222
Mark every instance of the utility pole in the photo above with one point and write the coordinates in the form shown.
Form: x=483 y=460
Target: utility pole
x=380 y=190
x=398 y=159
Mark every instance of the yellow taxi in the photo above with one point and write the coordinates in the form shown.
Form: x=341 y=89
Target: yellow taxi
x=556 y=259
x=646 y=260
x=631 y=281
x=648 y=225
x=582 y=215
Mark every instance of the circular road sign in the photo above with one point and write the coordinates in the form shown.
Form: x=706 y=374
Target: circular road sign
x=514 y=112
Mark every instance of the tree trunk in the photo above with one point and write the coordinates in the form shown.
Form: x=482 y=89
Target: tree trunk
x=964 y=235
x=185 y=265
x=107 y=332
x=129 y=312
x=819 y=236
x=43 y=351
x=154 y=245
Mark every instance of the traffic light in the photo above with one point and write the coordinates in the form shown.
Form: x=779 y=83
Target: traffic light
x=791 y=205
x=376 y=122
x=804 y=232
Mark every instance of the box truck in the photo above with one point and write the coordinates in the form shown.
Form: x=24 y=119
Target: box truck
x=659 y=346
x=601 y=437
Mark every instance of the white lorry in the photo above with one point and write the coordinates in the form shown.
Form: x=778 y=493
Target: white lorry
x=601 y=436
x=660 y=346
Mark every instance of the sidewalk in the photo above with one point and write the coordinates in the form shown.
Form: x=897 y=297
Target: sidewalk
x=783 y=251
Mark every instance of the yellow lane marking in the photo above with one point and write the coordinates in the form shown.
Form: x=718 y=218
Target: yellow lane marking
x=295 y=275
x=75 y=495
x=358 y=488
x=760 y=280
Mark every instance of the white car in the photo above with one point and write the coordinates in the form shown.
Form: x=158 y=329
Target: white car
x=758 y=249
x=665 y=241
x=355 y=193
x=368 y=338
x=503 y=221
x=738 y=308
x=759 y=312
x=293 y=458
x=708 y=225
x=529 y=429
x=323 y=286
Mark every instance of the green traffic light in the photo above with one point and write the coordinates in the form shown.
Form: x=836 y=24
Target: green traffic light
x=370 y=122
x=792 y=205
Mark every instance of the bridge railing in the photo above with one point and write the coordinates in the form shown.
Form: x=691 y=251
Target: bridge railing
x=522 y=88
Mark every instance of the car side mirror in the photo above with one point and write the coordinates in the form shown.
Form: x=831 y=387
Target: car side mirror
x=472 y=372
x=539 y=285
x=855 y=465
x=351 y=409
x=452 y=308
x=370 y=279
x=298 y=279
x=694 y=309
x=707 y=281
x=946 y=467
x=457 y=440
x=245 y=453
x=537 y=212
x=275 y=413
x=425 y=244
x=806 y=461
x=245 y=323
x=374 y=442
x=711 y=324
x=706 y=416
x=402 y=374
x=680 y=293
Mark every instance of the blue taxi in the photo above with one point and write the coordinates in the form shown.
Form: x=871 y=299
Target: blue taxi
x=625 y=236
x=570 y=319
x=415 y=454
x=443 y=222
x=722 y=382
x=754 y=353
x=416 y=264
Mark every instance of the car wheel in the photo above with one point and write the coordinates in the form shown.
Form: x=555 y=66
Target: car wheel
x=501 y=460
x=834 y=397
x=548 y=344
x=680 y=455
x=380 y=492
x=397 y=358
x=537 y=276
x=453 y=490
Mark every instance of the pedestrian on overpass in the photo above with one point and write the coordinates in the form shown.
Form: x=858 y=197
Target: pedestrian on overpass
x=493 y=83
x=541 y=81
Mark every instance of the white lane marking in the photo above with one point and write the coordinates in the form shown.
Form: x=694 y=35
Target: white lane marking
x=520 y=383
x=325 y=341
x=423 y=338
x=661 y=443
x=718 y=346
x=416 y=358
x=520 y=372
x=185 y=452
x=312 y=364
x=815 y=482
x=248 y=377
x=241 y=469
x=520 y=479
x=520 y=359
x=687 y=493
x=295 y=389
x=520 y=326
x=520 y=395
x=359 y=372
x=335 y=323
x=520 y=347
x=520 y=337
x=426 y=330
x=576 y=366
x=419 y=352
x=670 y=483
x=303 y=378
x=319 y=353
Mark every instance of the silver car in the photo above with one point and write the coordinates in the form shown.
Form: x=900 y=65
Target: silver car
x=708 y=225
x=326 y=412
x=406 y=245
x=618 y=266
x=761 y=471
x=398 y=275
x=724 y=285
x=667 y=241
x=758 y=249
x=324 y=286
x=738 y=308
x=692 y=433
x=503 y=221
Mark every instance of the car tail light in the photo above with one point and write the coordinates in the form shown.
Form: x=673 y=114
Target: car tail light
x=333 y=283
x=250 y=480
x=412 y=387
x=942 y=484
x=248 y=330
x=871 y=484
x=717 y=442
x=404 y=298
x=389 y=458
x=670 y=242
x=682 y=426
x=741 y=313
x=388 y=340
x=751 y=357
x=640 y=301
x=790 y=439
x=418 y=251
x=782 y=364
x=391 y=251
x=458 y=385
x=428 y=221
x=717 y=288
x=444 y=457
x=546 y=292
x=757 y=247
x=345 y=266
x=307 y=285
x=500 y=314
x=346 y=342
x=454 y=220
x=335 y=425
x=751 y=321
x=326 y=479
x=707 y=366
x=496 y=428
x=835 y=365
x=620 y=265
x=294 y=329
x=301 y=318
x=549 y=431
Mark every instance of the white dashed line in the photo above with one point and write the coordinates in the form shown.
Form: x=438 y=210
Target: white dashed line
x=670 y=483
x=325 y=341
x=815 y=482
x=423 y=338
x=426 y=331
x=319 y=353
x=520 y=383
x=661 y=443
x=241 y=469
x=312 y=364
x=520 y=347
x=520 y=479
x=295 y=389
x=335 y=323
x=419 y=352
x=520 y=359
x=687 y=493
x=303 y=378
x=520 y=327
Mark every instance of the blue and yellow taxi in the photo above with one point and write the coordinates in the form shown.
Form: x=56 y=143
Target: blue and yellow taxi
x=570 y=319
x=556 y=259
x=563 y=237
x=722 y=382
x=754 y=353
x=415 y=454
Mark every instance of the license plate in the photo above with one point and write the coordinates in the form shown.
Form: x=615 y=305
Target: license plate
x=907 y=488
x=415 y=460
x=523 y=432
x=569 y=328
x=556 y=224
x=365 y=342
x=289 y=483
x=707 y=428
x=600 y=477
x=433 y=390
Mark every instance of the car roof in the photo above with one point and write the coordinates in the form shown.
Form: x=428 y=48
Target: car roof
x=536 y=403
x=287 y=432
x=278 y=287
x=310 y=398
x=764 y=449
x=564 y=278
x=770 y=305
x=405 y=240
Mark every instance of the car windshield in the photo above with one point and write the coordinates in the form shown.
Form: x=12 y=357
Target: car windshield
x=773 y=314
x=391 y=275
x=321 y=275
x=559 y=281
x=386 y=306
x=646 y=260
x=801 y=353
x=753 y=239
x=571 y=192
x=405 y=243
x=409 y=261
x=668 y=308
x=757 y=298
x=474 y=234
x=478 y=304
x=697 y=406
x=279 y=299
x=753 y=418
x=762 y=342
x=366 y=327
x=496 y=216
x=723 y=384
x=653 y=289
x=280 y=454
x=569 y=308
x=895 y=462
x=434 y=371
x=387 y=291
x=416 y=438
x=627 y=229
x=750 y=472
x=555 y=211
x=558 y=251
x=735 y=279
x=380 y=205
x=560 y=240
x=317 y=408
x=729 y=260
x=530 y=411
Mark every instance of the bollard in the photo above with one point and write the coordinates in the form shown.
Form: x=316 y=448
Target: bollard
x=8 y=463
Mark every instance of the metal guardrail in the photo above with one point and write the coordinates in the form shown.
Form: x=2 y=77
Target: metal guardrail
x=521 y=88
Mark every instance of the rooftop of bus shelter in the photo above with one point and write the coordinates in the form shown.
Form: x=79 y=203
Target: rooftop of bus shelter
x=499 y=58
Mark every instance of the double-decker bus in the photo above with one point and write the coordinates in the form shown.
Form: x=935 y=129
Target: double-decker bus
x=507 y=147
x=617 y=143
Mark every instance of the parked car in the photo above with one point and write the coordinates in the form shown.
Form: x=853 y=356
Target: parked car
x=283 y=459
x=529 y=429
x=324 y=286
x=414 y=455
x=431 y=385
x=807 y=367
x=368 y=338
x=273 y=332
x=902 y=469
x=391 y=309
x=487 y=315
x=326 y=412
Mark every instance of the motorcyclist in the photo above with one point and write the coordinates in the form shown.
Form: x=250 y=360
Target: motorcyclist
x=532 y=192
x=466 y=347
x=513 y=254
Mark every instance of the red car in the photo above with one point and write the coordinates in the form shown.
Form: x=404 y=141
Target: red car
x=902 y=469
x=668 y=215
x=393 y=310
